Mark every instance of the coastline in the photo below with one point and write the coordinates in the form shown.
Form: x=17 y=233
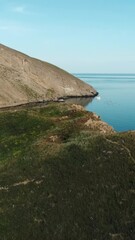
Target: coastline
x=44 y=102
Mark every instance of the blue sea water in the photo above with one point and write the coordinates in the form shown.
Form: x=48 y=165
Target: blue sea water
x=116 y=101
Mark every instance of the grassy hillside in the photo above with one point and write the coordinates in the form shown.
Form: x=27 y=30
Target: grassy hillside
x=62 y=179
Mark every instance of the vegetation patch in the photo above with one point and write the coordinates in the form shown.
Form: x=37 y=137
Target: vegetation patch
x=60 y=179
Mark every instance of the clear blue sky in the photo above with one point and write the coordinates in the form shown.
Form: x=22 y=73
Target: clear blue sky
x=96 y=36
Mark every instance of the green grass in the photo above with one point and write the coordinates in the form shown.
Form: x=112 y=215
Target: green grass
x=79 y=186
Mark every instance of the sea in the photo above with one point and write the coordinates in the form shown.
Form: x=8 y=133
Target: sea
x=115 y=103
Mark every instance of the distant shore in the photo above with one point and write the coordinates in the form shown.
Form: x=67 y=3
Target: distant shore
x=44 y=102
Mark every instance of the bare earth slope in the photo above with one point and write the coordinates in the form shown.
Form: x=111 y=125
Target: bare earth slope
x=24 y=79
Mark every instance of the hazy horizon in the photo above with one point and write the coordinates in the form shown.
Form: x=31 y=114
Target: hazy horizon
x=105 y=73
x=79 y=36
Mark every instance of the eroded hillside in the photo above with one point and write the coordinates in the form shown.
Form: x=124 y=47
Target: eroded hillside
x=24 y=79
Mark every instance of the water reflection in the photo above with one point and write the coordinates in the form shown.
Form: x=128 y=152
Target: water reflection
x=115 y=104
x=84 y=101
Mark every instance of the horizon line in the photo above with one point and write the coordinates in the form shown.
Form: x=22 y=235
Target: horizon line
x=104 y=73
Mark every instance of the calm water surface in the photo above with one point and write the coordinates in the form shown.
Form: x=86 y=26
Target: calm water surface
x=116 y=101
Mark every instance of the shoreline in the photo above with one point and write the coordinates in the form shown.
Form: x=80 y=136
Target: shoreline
x=45 y=102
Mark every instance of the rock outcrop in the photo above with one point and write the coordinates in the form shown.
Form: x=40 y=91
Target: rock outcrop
x=24 y=79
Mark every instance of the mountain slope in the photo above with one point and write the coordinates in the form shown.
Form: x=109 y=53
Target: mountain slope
x=24 y=79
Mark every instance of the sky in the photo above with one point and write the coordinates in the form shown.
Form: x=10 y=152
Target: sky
x=80 y=36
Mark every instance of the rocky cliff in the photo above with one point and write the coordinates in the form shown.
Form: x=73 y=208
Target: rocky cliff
x=24 y=79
